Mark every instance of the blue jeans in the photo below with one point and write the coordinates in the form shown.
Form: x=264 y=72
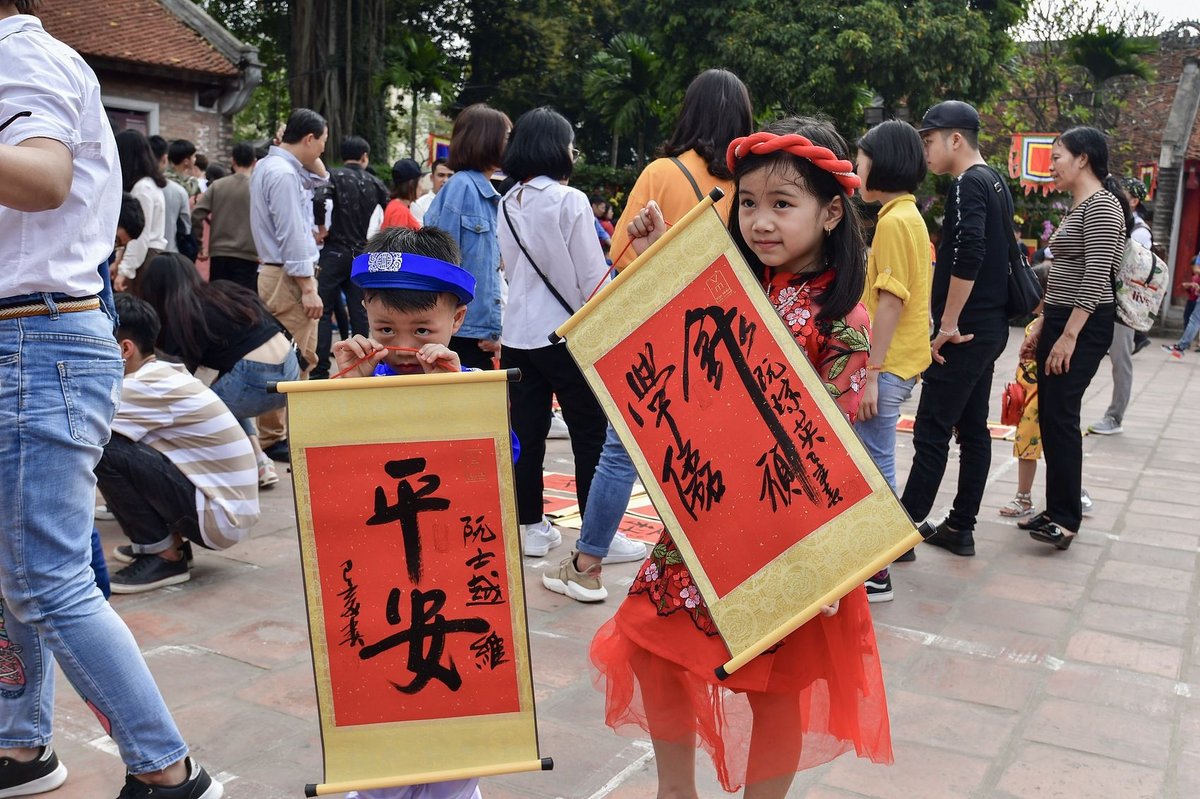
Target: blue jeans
x=60 y=383
x=244 y=388
x=1192 y=327
x=878 y=434
x=607 y=498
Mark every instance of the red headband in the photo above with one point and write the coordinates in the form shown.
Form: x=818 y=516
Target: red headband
x=764 y=143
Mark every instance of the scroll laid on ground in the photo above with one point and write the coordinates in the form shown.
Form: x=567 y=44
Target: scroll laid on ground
x=412 y=574
x=775 y=505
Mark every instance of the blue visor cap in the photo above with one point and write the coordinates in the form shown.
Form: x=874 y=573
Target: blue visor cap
x=404 y=270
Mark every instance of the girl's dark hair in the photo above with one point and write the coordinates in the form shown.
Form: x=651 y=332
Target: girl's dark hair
x=540 y=145
x=897 y=157
x=26 y=6
x=845 y=247
x=428 y=241
x=1084 y=140
x=405 y=189
x=716 y=110
x=185 y=305
x=478 y=139
x=137 y=160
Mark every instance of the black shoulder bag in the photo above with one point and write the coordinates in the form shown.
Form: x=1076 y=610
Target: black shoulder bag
x=1024 y=290
x=688 y=175
x=566 y=306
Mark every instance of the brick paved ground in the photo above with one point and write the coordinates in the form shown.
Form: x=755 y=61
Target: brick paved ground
x=1022 y=672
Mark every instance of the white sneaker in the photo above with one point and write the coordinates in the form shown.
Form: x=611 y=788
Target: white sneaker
x=103 y=514
x=538 y=539
x=558 y=428
x=1085 y=501
x=624 y=550
x=267 y=476
x=1106 y=427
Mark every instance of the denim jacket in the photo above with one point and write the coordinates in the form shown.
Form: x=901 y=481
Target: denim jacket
x=466 y=209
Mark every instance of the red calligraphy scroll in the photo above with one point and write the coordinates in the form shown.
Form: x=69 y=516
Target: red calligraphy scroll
x=679 y=380
x=414 y=584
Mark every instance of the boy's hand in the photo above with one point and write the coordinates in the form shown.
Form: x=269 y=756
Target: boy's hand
x=438 y=358
x=360 y=352
x=647 y=227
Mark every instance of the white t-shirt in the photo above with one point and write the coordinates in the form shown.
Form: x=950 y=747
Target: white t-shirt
x=557 y=227
x=421 y=205
x=58 y=250
x=154 y=210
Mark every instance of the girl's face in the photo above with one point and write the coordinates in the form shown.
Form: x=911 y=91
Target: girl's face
x=862 y=168
x=781 y=221
x=1065 y=167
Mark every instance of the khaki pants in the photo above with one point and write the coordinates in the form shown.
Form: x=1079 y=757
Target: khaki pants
x=282 y=297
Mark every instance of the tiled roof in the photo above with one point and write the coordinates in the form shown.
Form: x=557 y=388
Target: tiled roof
x=136 y=31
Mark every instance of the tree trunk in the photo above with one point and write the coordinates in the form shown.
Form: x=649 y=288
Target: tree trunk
x=612 y=155
x=641 y=147
x=412 y=140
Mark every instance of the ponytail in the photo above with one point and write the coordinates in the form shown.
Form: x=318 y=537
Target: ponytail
x=1114 y=187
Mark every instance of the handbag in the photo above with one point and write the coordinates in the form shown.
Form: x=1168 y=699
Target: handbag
x=566 y=306
x=1012 y=403
x=1024 y=290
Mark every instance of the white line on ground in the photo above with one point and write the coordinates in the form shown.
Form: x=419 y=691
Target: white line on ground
x=106 y=745
x=547 y=634
x=621 y=776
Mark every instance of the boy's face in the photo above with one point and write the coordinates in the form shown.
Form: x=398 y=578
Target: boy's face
x=413 y=329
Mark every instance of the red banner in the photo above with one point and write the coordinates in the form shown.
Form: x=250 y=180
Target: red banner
x=782 y=476
x=414 y=585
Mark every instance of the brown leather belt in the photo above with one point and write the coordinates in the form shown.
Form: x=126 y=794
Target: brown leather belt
x=42 y=309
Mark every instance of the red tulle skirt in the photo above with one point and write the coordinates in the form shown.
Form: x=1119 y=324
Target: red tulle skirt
x=815 y=696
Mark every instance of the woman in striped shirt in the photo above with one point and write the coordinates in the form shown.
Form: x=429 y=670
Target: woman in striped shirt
x=1076 y=326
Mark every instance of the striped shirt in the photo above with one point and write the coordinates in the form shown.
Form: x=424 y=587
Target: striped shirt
x=1087 y=247
x=168 y=409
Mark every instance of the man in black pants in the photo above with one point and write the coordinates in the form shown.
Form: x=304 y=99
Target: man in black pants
x=967 y=303
x=356 y=193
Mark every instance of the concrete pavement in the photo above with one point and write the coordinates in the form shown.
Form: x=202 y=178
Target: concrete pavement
x=1021 y=672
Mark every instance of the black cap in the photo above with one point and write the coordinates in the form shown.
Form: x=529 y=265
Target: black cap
x=950 y=114
x=405 y=169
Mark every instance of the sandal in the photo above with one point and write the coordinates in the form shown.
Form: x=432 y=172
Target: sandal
x=1018 y=506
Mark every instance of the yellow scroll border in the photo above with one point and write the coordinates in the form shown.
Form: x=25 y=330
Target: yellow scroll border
x=825 y=565
x=508 y=740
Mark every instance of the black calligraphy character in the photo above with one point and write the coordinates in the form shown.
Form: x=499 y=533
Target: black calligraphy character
x=480 y=559
x=807 y=431
x=485 y=589
x=476 y=530
x=696 y=484
x=643 y=378
x=409 y=503
x=426 y=639
x=351 y=608
x=489 y=651
x=834 y=495
x=778 y=479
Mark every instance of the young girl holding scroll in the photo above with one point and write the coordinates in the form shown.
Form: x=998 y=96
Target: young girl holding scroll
x=819 y=692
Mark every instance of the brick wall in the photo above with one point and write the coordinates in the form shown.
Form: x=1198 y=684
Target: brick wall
x=178 y=118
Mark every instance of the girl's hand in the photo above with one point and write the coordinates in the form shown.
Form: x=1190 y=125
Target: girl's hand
x=1029 y=345
x=360 y=352
x=438 y=357
x=944 y=337
x=830 y=610
x=1058 y=362
x=489 y=345
x=120 y=283
x=869 y=404
x=647 y=227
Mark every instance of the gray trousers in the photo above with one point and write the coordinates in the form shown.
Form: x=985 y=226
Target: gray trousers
x=1120 y=352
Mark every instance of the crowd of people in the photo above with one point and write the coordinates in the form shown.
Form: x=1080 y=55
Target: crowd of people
x=160 y=395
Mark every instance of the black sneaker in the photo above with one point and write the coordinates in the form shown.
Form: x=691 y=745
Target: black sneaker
x=43 y=773
x=879 y=587
x=960 y=542
x=197 y=786
x=907 y=557
x=125 y=554
x=149 y=572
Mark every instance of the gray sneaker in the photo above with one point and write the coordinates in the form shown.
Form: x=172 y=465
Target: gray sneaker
x=1106 y=427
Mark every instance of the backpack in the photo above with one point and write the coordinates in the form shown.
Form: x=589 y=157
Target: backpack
x=1140 y=286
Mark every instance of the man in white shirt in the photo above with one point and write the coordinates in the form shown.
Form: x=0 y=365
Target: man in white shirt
x=60 y=377
x=437 y=178
x=281 y=222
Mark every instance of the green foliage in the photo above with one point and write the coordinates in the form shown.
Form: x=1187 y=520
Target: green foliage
x=601 y=180
x=621 y=89
x=1108 y=53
